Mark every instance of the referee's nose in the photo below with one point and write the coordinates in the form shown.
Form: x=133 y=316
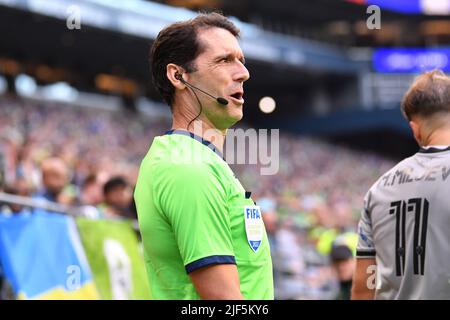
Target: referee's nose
x=241 y=74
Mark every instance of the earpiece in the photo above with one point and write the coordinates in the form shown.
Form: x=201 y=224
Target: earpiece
x=178 y=76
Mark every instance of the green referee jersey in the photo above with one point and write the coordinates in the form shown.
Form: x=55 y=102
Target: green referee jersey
x=192 y=213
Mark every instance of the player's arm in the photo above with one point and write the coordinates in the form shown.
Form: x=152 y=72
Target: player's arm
x=364 y=279
x=217 y=282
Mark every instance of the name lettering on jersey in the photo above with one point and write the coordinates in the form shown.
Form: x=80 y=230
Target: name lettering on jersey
x=408 y=175
x=445 y=173
x=254 y=226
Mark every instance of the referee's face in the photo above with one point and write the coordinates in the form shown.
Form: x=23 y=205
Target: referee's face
x=221 y=72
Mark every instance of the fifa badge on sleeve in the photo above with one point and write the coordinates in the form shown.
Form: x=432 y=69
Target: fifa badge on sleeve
x=253 y=226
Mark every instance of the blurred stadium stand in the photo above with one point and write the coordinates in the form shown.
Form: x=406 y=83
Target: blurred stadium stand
x=309 y=76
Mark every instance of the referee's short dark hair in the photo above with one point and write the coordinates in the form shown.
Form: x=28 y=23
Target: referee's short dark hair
x=428 y=95
x=178 y=44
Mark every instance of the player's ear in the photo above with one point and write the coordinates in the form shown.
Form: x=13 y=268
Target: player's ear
x=415 y=127
x=172 y=70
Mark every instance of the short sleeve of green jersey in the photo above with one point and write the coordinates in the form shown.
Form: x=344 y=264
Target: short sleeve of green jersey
x=365 y=247
x=193 y=199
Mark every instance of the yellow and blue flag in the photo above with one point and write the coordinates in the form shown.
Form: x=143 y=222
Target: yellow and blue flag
x=42 y=257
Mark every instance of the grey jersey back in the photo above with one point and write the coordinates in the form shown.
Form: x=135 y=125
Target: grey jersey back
x=405 y=225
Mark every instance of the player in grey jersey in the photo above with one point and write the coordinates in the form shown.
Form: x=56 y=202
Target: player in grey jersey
x=403 y=250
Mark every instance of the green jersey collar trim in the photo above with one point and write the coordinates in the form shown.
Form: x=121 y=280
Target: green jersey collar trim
x=198 y=138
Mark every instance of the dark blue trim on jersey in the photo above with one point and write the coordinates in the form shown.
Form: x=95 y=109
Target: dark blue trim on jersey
x=207 y=261
x=207 y=143
x=361 y=253
x=433 y=150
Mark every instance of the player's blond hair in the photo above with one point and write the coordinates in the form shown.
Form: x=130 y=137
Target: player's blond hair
x=428 y=96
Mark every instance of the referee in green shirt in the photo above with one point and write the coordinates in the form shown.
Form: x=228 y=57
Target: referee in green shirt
x=203 y=235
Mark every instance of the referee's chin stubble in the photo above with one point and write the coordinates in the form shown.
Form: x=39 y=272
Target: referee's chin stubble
x=235 y=114
x=235 y=111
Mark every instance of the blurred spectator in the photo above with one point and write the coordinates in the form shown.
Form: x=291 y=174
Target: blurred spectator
x=117 y=198
x=343 y=263
x=90 y=196
x=19 y=188
x=55 y=177
x=26 y=167
x=288 y=263
x=270 y=218
x=91 y=192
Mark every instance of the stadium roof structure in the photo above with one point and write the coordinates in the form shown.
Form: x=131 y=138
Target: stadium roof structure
x=144 y=19
x=115 y=37
x=404 y=22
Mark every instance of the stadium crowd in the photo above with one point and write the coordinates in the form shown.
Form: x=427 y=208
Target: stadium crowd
x=89 y=159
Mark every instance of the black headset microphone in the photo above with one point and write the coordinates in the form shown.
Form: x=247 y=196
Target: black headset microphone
x=220 y=100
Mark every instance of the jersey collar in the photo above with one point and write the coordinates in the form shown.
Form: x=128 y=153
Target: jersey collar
x=433 y=149
x=198 y=138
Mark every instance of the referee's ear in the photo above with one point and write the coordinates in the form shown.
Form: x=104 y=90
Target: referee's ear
x=171 y=71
